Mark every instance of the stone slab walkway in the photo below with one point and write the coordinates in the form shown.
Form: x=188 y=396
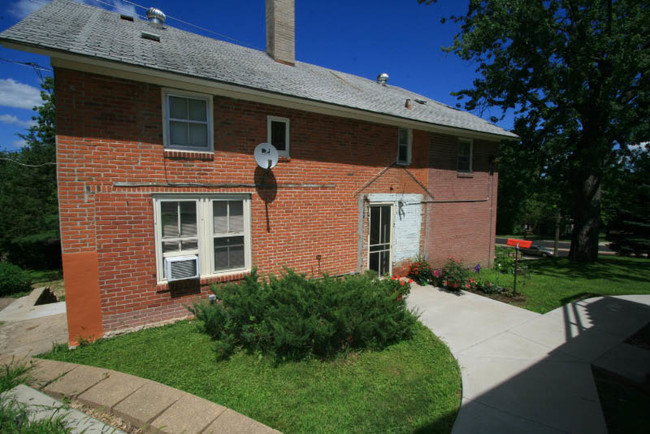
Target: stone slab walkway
x=526 y=372
x=143 y=403
x=43 y=407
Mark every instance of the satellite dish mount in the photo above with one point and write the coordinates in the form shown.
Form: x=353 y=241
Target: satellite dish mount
x=266 y=156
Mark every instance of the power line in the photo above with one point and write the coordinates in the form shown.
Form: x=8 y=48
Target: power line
x=221 y=35
x=27 y=64
x=28 y=165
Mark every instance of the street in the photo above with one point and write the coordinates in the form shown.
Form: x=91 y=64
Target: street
x=563 y=246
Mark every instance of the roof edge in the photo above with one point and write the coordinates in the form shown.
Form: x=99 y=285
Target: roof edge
x=63 y=59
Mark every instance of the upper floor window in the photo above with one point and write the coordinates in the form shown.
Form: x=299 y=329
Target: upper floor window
x=405 y=137
x=464 y=155
x=188 y=121
x=278 y=134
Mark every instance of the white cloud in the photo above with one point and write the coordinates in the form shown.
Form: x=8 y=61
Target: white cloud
x=124 y=8
x=19 y=143
x=13 y=120
x=22 y=8
x=18 y=95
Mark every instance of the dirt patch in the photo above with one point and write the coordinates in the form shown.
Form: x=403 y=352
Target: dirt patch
x=107 y=418
x=515 y=300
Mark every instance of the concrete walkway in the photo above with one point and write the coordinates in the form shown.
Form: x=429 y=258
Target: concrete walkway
x=526 y=372
x=27 y=330
x=143 y=403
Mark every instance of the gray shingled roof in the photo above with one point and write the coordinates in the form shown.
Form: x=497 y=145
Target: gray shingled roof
x=69 y=27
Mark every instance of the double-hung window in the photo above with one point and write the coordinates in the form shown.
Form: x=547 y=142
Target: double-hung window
x=188 y=121
x=213 y=228
x=277 y=134
x=464 y=155
x=404 y=144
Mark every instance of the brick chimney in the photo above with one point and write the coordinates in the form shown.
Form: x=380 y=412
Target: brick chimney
x=280 y=31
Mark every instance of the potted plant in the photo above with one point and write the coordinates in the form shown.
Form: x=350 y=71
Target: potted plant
x=455 y=274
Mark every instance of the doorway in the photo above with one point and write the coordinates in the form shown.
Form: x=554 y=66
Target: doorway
x=381 y=237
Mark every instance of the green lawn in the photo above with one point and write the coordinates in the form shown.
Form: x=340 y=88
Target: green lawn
x=552 y=282
x=413 y=386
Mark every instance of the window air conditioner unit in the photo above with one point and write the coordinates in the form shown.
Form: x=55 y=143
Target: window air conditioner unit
x=181 y=268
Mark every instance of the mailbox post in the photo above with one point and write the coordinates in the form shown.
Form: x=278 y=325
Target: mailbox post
x=523 y=243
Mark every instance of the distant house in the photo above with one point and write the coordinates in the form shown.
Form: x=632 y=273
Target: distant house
x=160 y=195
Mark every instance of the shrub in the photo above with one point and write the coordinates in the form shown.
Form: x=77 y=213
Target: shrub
x=297 y=318
x=504 y=263
x=13 y=279
x=421 y=271
x=454 y=271
x=38 y=251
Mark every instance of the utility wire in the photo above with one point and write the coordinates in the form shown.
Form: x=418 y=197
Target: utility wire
x=28 y=165
x=220 y=35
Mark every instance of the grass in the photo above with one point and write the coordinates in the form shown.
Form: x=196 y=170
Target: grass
x=413 y=386
x=14 y=417
x=553 y=282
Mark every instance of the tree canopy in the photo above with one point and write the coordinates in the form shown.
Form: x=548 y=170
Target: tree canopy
x=28 y=194
x=576 y=73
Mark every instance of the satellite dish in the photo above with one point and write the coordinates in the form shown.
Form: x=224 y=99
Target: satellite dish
x=266 y=156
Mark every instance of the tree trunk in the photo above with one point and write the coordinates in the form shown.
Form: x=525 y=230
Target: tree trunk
x=586 y=219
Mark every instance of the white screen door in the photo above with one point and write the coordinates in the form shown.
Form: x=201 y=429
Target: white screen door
x=379 y=257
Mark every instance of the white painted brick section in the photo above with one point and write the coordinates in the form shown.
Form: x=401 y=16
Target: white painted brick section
x=407 y=221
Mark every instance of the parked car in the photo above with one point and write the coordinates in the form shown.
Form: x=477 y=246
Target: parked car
x=537 y=250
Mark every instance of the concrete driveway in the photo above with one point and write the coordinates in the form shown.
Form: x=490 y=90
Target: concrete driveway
x=27 y=330
x=527 y=372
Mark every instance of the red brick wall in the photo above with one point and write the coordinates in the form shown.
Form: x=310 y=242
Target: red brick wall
x=462 y=217
x=110 y=130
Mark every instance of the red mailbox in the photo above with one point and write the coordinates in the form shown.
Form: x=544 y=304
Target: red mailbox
x=519 y=243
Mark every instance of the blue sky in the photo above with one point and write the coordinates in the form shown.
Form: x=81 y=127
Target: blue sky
x=362 y=37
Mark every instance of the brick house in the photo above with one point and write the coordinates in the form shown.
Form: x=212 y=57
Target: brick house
x=156 y=130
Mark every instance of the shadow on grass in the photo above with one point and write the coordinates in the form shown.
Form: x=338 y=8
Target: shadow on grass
x=579 y=296
x=443 y=424
x=610 y=268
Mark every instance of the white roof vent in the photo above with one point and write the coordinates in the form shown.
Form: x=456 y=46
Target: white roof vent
x=156 y=17
x=382 y=79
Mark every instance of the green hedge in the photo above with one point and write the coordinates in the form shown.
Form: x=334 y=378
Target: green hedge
x=294 y=318
x=13 y=279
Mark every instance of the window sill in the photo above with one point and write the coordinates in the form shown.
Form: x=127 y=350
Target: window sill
x=175 y=154
x=402 y=164
x=229 y=276
x=284 y=159
x=465 y=175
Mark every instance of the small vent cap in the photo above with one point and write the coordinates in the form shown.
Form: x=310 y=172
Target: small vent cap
x=382 y=79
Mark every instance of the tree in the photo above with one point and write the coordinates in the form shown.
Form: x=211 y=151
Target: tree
x=577 y=74
x=629 y=227
x=28 y=194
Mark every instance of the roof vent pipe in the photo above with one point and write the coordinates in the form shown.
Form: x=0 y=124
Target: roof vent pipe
x=156 y=17
x=382 y=79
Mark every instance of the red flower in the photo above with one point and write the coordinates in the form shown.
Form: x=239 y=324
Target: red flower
x=410 y=280
x=401 y=282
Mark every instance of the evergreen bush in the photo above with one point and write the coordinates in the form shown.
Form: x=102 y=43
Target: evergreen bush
x=13 y=279
x=294 y=318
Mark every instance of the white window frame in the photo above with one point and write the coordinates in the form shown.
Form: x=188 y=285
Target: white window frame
x=462 y=140
x=166 y=93
x=408 y=144
x=269 y=119
x=205 y=232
